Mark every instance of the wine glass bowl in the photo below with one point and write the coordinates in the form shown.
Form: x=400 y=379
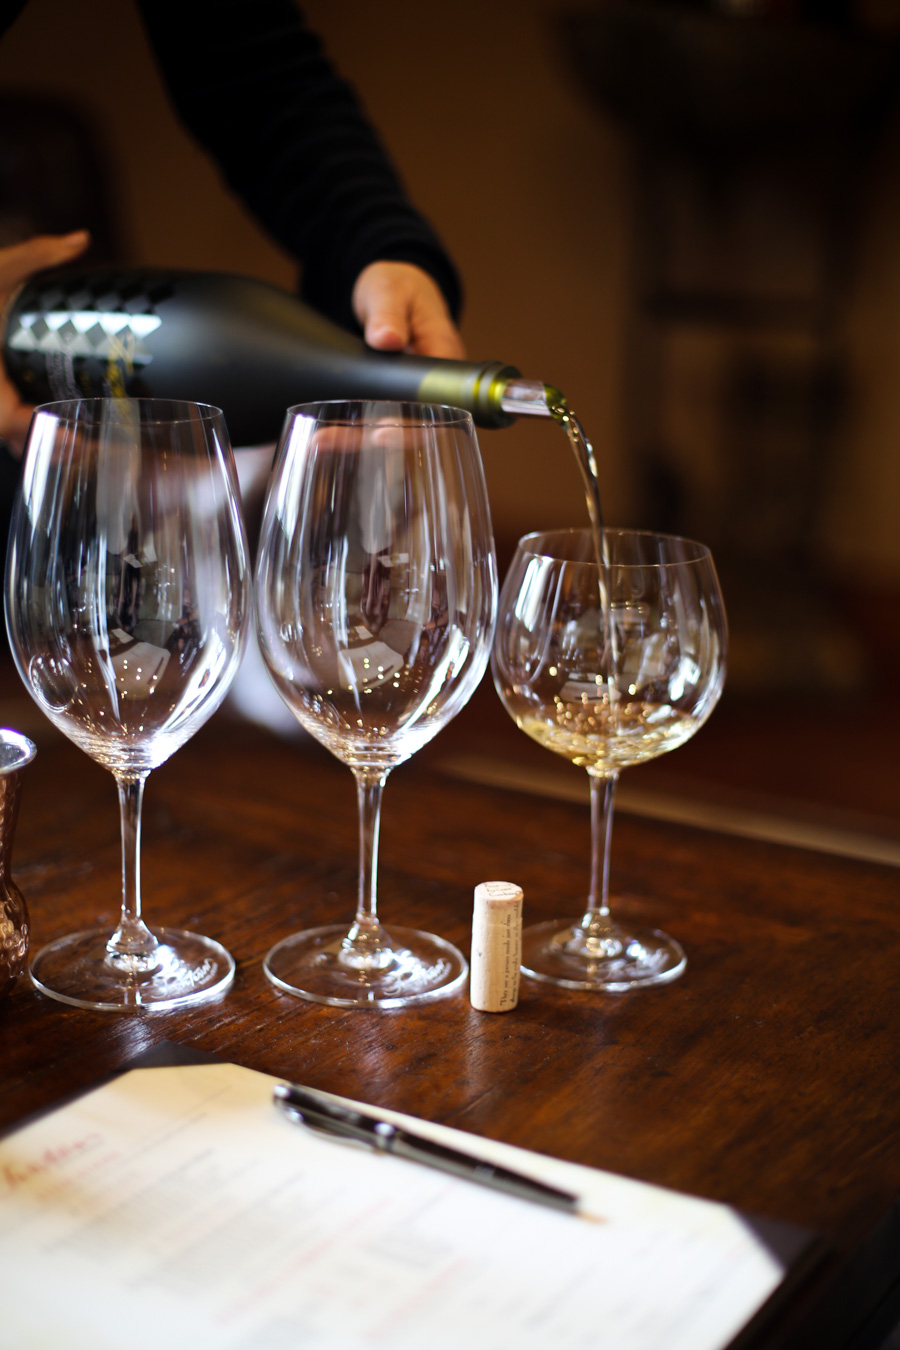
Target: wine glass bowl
x=127 y=603
x=376 y=600
x=608 y=666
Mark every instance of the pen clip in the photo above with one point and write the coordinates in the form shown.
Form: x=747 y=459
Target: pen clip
x=331 y=1129
x=333 y=1119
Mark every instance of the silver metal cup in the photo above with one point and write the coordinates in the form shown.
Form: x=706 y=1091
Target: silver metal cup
x=16 y=752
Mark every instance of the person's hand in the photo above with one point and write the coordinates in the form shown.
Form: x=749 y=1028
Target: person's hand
x=401 y=308
x=17 y=263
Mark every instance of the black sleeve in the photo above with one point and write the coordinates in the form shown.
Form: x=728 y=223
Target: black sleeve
x=253 y=86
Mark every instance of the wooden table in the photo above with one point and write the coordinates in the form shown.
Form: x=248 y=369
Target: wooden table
x=768 y=1077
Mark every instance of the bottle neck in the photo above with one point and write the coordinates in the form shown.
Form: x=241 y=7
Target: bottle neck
x=530 y=398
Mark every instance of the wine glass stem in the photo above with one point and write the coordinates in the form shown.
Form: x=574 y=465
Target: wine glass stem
x=366 y=937
x=603 y=792
x=132 y=941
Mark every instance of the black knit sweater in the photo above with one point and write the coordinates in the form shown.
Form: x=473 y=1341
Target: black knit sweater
x=253 y=86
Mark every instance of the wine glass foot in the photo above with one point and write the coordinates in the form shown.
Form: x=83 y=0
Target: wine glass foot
x=186 y=968
x=623 y=959
x=315 y=965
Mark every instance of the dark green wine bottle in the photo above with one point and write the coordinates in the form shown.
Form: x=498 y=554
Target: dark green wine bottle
x=243 y=345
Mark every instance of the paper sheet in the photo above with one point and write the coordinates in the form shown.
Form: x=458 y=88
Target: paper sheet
x=178 y=1207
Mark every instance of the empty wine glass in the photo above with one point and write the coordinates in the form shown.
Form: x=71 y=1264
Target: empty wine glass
x=127 y=601
x=608 y=667
x=376 y=597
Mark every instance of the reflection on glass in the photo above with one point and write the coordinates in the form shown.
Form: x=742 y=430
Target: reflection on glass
x=127 y=599
x=376 y=599
x=606 y=700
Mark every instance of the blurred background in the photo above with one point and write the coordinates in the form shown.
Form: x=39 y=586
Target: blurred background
x=684 y=215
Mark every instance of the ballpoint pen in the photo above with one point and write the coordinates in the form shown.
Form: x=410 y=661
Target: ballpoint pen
x=351 y=1124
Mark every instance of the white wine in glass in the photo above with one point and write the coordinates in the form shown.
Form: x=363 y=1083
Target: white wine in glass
x=127 y=604
x=608 y=667
x=376 y=599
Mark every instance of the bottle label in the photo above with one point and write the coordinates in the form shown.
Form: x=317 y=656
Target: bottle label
x=69 y=338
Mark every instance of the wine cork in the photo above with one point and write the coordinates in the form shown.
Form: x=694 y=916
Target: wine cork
x=496 y=946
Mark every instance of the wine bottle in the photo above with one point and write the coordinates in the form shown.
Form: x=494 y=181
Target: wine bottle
x=243 y=345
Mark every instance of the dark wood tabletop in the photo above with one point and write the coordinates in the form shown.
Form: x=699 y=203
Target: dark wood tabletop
x=768 y=1077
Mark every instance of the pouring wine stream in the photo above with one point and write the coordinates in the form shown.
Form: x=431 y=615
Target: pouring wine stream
x=602 y=935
